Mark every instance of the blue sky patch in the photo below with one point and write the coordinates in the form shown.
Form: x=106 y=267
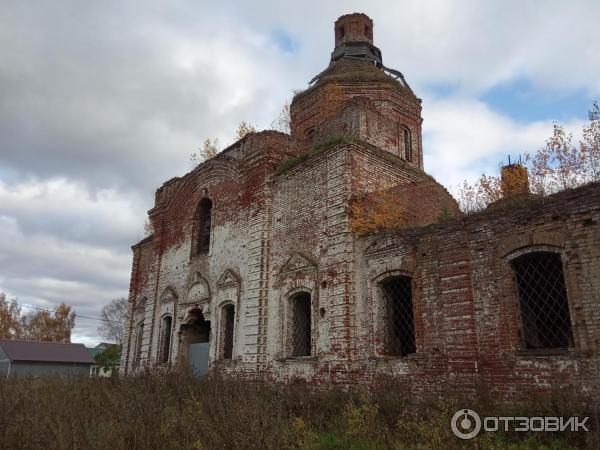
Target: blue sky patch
x=522 y=101
x=284 y=42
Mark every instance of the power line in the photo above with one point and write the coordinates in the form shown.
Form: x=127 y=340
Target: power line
x=54 y=311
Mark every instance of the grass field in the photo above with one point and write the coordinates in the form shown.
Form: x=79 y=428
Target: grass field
x=176 y=411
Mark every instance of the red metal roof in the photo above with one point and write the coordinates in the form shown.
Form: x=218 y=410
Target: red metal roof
x=46 y=351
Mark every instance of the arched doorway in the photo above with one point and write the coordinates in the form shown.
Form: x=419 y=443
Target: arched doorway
x=194 y=336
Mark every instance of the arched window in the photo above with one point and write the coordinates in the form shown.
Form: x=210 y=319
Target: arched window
x=399 y=323
x=543 y=302
x=227 y=327
x=300 y=324
x=138 y=344
x=310 y=133
x=204 y=223
x=165 y=339
x=407 y=143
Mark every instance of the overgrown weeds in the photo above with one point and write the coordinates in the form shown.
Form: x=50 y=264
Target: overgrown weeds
x=176 y=411
x=314 y=150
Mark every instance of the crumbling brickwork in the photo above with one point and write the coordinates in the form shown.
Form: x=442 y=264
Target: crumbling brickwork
x=279 y=211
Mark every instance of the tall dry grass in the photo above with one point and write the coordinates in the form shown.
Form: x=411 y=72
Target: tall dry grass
x=175 y=411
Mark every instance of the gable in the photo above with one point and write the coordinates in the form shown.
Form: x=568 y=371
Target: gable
x=229 y=278
x=384 y=243
x=297 y=263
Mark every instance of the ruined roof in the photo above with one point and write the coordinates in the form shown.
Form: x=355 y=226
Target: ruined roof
x=46 y=352
x=354 y=70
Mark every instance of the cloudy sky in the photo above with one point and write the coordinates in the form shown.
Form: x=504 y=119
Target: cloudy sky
x=100 y=102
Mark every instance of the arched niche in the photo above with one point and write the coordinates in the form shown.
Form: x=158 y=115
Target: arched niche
x=199 y=291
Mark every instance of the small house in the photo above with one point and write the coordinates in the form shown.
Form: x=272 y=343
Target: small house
x=29 y=358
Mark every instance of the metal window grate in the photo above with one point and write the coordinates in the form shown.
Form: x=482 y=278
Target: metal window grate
x=543 y=302
x=229 y=318
x=301 y=328
x=398 y=316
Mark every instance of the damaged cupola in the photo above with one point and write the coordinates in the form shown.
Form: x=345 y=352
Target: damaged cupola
x=357 y=96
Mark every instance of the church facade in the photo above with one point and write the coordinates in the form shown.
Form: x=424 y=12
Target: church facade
x=255 y=254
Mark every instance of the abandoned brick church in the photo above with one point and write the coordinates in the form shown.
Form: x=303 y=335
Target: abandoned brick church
x=254 y=256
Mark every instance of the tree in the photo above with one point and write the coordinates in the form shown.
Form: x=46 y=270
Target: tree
x=109 y=357
x=244 y=129
x=113 y=315
x=209 y=149
x=283 y=120
x=591 y=143
x=375 y=211
x=10 y=322
x=51 y=326
x=558 y=165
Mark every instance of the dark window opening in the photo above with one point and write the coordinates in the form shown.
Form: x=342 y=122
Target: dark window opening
x=204 y=223
x=197 y=329
x=367 y=31
x=341 y=32
x=301 y=326
x=228 y=326
x=407 y=145
x=165 y=339
x=138 y=344
x=543 y=302
x=398 y=316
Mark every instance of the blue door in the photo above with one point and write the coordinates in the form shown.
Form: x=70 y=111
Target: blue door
x=198 y=358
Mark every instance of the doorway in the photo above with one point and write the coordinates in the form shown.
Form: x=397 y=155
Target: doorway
x=195 y=341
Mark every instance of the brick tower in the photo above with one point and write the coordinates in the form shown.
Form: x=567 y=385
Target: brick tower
x=357 y=95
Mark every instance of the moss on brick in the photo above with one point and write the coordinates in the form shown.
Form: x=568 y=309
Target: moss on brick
x=314 y=150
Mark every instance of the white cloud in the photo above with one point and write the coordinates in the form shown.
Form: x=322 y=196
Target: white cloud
x=61 y=243
x=103 y=101
x=464 y=138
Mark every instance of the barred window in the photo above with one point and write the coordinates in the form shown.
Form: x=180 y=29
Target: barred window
x=228 y=321
x=204 y=224
x=399 y=322
x=300 y=324
x=165 y=339
x=543 y=302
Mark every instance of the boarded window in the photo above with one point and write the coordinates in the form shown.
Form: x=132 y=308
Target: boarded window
x=300 y=324
x=543 y=302
x=228 y=327
x=165 y=339
x=407 y=144
x=204 y=224
x=398 y=316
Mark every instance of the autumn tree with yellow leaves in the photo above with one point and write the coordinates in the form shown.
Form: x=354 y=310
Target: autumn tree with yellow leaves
x=560 y=164
x=375 y=211
x=244 y=129
x=37 y=325
x=10 y=318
